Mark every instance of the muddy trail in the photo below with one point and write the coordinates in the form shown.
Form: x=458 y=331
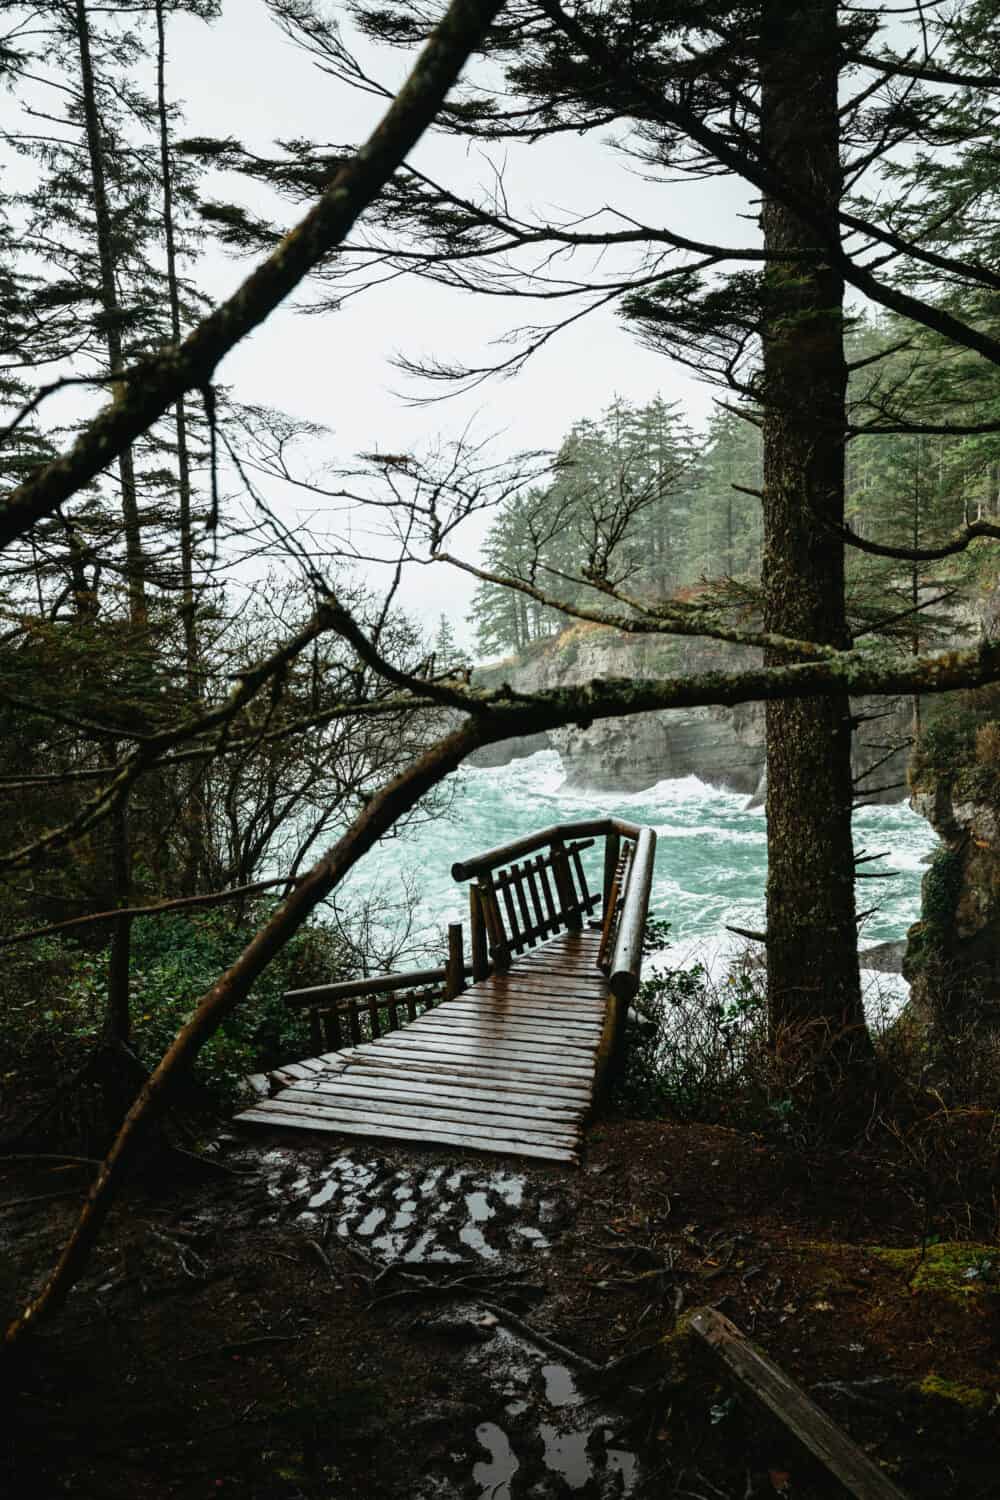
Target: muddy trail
x=358 y=1321
x=458 y=1252
x=303 y=1321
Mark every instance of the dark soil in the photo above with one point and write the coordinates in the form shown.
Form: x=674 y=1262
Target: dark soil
x=233 y=1338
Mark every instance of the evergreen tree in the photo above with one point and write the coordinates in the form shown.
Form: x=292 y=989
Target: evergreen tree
x=723 y=531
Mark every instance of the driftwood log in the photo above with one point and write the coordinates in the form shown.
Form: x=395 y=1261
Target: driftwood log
x=768 y=1385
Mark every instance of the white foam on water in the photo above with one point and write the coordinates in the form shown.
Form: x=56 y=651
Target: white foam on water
x=711 y=865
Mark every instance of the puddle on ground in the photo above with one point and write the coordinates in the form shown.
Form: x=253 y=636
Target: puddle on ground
x=436 y=1214
x=477 y=1241
x=371 y=1221
x=532 y=1235
x=621 y=1461
x=478 y=1207
x=550 y=1438
x=557 y=1436
x=560 y=1387
x=566 y=1454
x=511 y=1189
x=494 y=1477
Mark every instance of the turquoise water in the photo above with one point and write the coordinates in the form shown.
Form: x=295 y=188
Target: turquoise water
x=711 y=856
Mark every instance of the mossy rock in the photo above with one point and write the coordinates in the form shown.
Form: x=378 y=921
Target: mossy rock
x=955 y=1268
x=970 y=1398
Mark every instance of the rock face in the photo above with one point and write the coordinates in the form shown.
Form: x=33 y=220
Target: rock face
x=952 y=957
x=722 y=746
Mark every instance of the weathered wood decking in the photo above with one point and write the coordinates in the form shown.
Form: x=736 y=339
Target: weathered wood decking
x=513 y=1062
x=510 y=1065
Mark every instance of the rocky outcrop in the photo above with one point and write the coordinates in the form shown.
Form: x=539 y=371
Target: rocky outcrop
x=952 y=957
x=722 y=746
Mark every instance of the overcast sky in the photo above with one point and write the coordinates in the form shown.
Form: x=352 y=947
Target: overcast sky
x=243 y=78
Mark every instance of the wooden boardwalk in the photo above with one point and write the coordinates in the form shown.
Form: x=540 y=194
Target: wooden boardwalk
x=512 y=1063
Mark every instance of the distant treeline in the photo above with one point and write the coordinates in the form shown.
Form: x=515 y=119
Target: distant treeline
x=679 y=510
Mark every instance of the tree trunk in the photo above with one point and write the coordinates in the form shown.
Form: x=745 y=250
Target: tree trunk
x=117 y=1022
x=118 y=1018
x=112 y=314
x=186 y=535
x=195 y=814
x=813 y=983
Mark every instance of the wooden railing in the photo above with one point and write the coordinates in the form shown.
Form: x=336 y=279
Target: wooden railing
x=361 y=1010
x=521 y=893
x=514 y=904
x=625 y=912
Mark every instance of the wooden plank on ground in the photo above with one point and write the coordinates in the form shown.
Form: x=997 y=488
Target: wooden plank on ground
x=542 y=981
x=570 y=963
x=485 y=1047
x=767 y=1383
x=486 y=1044
x=556 y=1012
x=592 y=980
x=553 y=1012
x=270 y=1115
x=560 y=1022
x=292 y=1071
x=557 y=1007
x=498 y=1029
x=566 y=972
x=546 y=978
x=495 y=1067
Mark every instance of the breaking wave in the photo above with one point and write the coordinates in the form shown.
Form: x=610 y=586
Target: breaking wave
x=711 y=857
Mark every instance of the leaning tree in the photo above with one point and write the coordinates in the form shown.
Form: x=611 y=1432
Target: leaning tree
x=799 y=667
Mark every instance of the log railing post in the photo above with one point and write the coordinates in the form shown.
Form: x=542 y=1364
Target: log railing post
x=569 y=905
x=499 y=945
x=477 y=936
x=454 y=982
x=612 y=851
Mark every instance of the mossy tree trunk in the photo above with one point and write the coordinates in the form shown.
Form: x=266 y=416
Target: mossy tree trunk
x=813 y=979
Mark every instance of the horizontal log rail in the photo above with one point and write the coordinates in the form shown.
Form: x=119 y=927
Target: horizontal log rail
x=349 y=1022
x=329 y=995
x=504 y=854
x=626 y=962
x=369 y=1008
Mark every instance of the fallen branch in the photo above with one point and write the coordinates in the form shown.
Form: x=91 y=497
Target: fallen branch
x=182 y=903
x=81 y=1161
x=768 y=1385
x=542 y=1339
x=41 y=1198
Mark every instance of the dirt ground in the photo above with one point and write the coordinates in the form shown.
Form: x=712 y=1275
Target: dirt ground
x=308 y=1318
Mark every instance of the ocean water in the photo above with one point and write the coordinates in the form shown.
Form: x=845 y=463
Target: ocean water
x=711 y=857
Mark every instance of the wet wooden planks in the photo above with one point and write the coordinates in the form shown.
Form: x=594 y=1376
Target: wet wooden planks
x=508 y=1066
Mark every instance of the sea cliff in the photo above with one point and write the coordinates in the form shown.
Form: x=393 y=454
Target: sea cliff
x=722 y=746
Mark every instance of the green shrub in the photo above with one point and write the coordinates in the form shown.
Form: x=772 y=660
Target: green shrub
x=697 y=1050
x=57 y=1004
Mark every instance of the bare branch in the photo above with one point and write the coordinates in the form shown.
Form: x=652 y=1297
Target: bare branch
x=150 y=388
